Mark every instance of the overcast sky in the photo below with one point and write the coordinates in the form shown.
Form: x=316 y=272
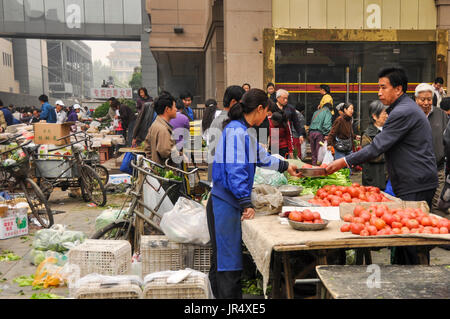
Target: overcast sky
x=100 y=50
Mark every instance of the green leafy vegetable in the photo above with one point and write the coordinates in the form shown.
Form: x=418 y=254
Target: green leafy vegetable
x=312 y=184
x=9 y=257
x=24 y=280
x=43 y=295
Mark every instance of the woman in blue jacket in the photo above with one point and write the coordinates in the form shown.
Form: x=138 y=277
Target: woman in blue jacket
x=235 y=161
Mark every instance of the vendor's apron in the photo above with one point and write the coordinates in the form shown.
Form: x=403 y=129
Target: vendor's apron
x=227 y=219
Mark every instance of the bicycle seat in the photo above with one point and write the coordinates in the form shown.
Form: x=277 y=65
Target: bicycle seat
x=207 y=184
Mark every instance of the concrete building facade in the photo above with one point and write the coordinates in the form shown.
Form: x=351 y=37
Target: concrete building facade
x=8 y=82
x=298 y=44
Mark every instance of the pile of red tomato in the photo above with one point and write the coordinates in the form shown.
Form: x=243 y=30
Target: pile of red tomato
x=306 y=216
x=331 y=195
x=379 y=220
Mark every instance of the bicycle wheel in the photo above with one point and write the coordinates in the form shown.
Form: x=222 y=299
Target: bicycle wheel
x=92 y=187
x=117 y=231
x=102 y=172
x=37 y=202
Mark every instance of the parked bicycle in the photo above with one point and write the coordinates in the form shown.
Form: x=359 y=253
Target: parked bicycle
x=134 y=222
x=66 y=171
x=15 y=178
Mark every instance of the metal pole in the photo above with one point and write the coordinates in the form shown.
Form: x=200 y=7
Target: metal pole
x=359 y=97
x=347 y=79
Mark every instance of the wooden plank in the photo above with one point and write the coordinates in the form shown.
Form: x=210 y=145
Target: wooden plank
x=362 y=243
x=386 y=282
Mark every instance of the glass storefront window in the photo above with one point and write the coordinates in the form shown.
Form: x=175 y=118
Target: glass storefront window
x=114 y=11
x=302 y=66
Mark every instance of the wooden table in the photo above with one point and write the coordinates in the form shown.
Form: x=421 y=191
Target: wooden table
x=321 y=249
x=266 y=232
x=385 y=282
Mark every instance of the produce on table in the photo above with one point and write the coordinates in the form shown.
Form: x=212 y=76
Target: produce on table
x=379 y=220
x=306 y=216
x=334 y=195
x=312 y=184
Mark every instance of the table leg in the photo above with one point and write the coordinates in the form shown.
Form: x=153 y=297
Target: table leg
x=276 y=284
x=322 y=257
x=321 y=260
x=422 y=254
x=288 y=277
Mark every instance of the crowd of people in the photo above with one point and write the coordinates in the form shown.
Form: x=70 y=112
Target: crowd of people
x=405 y=150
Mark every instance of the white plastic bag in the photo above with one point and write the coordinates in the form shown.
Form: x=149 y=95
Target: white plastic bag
x=328 y=158
x=303 y=148
x=186 y=223
x=322 y=151
x=269 y=177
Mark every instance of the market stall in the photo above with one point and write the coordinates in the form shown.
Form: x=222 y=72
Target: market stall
x=265 y=236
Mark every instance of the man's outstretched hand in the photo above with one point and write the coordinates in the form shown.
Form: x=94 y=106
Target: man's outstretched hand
x=335 y=166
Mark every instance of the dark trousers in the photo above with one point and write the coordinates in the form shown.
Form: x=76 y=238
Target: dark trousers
x=224 y=284
x=315 y=138
x=408 y=255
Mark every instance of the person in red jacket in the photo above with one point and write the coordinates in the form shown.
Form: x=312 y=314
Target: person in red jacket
x=280 y=136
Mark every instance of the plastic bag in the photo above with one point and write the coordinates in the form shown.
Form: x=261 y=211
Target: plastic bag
x=186 y=223
x=303 y=149
x=292 y=201
x=322 y=152
x=153 y=192
x=328 y=158
x=126 y=167
x=267 y=200
x=269 y=177
x=49 y=274
x=57 y=238
x=107 y=217
x=38 y=256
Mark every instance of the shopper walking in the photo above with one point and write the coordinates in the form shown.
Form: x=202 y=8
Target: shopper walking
x=341 y=134
x=319 y=129
x=143 y=98
x=48 y=112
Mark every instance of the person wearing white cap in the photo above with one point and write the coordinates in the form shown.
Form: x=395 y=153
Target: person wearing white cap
x=61 y=115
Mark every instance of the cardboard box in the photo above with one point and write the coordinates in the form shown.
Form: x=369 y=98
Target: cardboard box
x=119 y=179
x=348 y=208
x=49 y=133
x=13 y=226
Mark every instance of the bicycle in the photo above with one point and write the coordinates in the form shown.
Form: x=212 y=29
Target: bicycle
x=134 y=222
x=16 y=176
x=69 y=171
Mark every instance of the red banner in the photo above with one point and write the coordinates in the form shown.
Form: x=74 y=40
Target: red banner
x=366 y=88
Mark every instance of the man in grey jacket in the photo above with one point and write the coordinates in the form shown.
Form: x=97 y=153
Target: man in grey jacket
x=438 y=121
x=406 y=141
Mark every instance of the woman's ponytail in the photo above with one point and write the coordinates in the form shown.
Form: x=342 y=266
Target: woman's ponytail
x=235 y=113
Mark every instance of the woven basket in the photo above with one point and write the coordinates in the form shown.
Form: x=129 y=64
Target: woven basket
x=96 y=290
x=193 y=287
x=105 y=257
x=158 y=253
